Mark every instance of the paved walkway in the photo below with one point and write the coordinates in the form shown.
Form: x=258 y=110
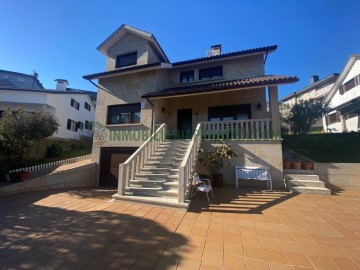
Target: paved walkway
x=247 y=229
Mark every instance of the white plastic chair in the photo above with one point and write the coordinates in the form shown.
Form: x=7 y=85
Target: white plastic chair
x=201 y=185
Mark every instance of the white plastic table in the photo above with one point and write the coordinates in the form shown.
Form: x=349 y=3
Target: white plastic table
x=253 y=173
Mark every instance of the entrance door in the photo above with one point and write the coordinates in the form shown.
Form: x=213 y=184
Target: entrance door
x=184 y=123
x=109 y=164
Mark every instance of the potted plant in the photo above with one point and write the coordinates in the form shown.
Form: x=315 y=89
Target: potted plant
x=215 y=160
x=296 y=165
x=23 y=175
x=286 y=164
x=307 y=165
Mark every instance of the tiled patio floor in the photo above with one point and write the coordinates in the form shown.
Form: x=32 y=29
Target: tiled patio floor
x=247 y=229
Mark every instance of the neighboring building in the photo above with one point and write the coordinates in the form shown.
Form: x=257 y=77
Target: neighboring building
x=141 y=89
x=74 y=109
x=344 y=99
x=318 y=89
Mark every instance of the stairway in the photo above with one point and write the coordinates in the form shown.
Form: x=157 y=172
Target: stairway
x=305 y=181
x=157 y=181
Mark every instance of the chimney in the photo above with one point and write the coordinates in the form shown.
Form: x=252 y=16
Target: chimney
x=61 y=84
x=215 y=50
x=35 y=74
x=314 y=79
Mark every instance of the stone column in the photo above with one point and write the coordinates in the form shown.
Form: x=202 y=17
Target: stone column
x=274 y=111
x=343 y=123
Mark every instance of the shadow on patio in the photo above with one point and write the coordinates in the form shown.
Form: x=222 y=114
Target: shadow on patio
x=47 y=230
x=228 y=199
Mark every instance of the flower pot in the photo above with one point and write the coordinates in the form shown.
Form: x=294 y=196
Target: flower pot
x=24 y=176
x=286 y=164
x=218 y=180
x=296 y=165
x=307 y=165
x=14 y=177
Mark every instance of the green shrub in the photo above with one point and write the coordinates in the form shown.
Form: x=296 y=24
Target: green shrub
x=54 y=150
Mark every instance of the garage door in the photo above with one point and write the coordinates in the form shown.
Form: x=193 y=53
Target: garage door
x=109 y=164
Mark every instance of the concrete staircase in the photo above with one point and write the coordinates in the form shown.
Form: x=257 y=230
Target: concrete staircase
x=304 y=181
x=157 y=182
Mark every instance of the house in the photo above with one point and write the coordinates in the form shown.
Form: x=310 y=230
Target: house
x=344 y=99
x=219 y=96
x=73 y=108
x=316 y=90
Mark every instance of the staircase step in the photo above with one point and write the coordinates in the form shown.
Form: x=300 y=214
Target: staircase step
x=308 y=177
x=305 y=183
x=311 y=190
x=153 y=192
x=292 y=171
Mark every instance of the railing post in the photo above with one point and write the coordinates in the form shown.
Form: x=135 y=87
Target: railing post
x=181 y=184
x=122 y=179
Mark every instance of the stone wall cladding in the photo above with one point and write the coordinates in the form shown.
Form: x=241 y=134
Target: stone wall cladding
x=78 y=176
x=251 y=153
x=339 y=175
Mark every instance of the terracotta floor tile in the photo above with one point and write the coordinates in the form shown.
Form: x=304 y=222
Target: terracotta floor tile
x=256 y=264
x=291 y=247
x=212 y=258
x=208 y=267
x=343 y=263
x=314 y=250
x=248 y=240
x=214 y=245
x=233 y=262
x=188 y=265
x=192 y=254
x=299 y=260
x=254 y=253
x=323 y=263
x=334 y=252
x=233 y=248
x=276 y=256
x=279 y=266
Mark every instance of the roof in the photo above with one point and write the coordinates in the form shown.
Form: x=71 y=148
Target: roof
x=120 y=70
x=122 y=30
x=352 y=59
x=266 y=49
x=325 y=80
x=24 y=75
x=224 y=85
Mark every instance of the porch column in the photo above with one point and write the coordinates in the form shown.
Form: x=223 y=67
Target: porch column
x=274 y=110
x=343 y=123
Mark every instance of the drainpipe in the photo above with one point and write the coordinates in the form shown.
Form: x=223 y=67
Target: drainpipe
x=152 y=116
x=98 y=86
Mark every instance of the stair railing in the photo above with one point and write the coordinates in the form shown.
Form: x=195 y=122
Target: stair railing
x=186 y=168
x=132 y=165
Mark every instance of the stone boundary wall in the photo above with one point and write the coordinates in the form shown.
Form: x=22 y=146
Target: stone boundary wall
x=339 y=175
x=66 y=176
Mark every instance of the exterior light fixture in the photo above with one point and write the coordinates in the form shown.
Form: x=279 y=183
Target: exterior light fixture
x=163 y=110
x=259 y=106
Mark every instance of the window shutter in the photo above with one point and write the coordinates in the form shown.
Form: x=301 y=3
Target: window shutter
x=341 y=89
x=68 y=124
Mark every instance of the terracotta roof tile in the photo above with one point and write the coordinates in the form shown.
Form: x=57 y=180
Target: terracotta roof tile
x=224 y=85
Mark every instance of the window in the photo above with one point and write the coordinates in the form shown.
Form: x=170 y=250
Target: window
x=210 y=73
x=126 y=60
x=229 y=113
x=349 y=84
x=80 y=125
x=87 y=106
x=88 y=125
x=72 y=125
x=75 y=104
x=187 y=76
x=124 y=114
x=333 y=118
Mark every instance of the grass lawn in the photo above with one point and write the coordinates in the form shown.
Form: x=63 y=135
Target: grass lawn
x=335 y=147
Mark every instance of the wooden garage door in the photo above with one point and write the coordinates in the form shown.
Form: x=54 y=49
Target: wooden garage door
x=109 y=164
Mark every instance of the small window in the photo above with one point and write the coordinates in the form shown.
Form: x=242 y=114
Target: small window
x=210 y=73
x=187 y=76
x=124 y=114
x=333 y=118
x=72 y=125
x=75 y=104
x=87 y=106
x=126 y=60
x=88 y=125
x=349 y=84
x=80 y=125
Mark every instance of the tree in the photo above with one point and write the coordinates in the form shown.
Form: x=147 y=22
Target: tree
x=20 y=129
x=303 y=115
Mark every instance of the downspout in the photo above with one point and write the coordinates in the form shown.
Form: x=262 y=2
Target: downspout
x=152 y=115
x=98 y=86
x=267 y=52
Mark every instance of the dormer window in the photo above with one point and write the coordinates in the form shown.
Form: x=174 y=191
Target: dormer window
x=187 y=76
x=125 y=60
x=210 y=73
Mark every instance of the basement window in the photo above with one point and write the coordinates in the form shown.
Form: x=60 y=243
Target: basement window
x=126 y=60
x=124 y=114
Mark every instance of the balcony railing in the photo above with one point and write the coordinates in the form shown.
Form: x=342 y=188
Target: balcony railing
x=252 y=129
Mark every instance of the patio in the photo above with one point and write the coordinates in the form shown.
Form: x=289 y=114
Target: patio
x=241 y=229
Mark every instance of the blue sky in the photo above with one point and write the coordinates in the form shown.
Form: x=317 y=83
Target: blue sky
x=58 y=39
